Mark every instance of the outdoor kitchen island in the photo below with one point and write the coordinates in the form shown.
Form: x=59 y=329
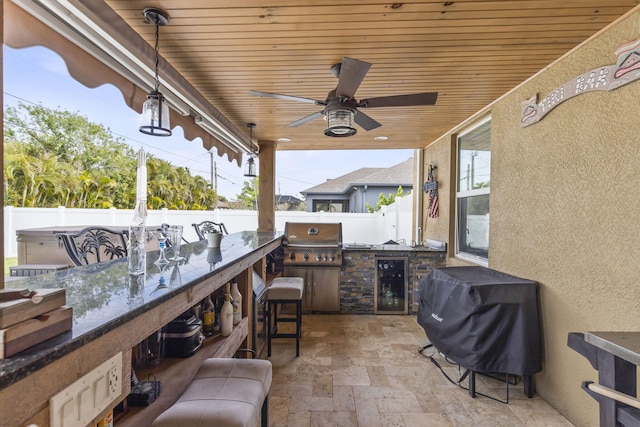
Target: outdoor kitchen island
x=355 y=278
x=112 y=314
x=381 y=279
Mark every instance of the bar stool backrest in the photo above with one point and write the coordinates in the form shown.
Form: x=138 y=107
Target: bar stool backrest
x=94 y=244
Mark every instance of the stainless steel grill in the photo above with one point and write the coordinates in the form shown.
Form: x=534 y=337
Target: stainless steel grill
x=313 y=251
x=313 y=244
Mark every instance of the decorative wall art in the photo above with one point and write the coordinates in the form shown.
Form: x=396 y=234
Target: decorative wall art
x=624 y=71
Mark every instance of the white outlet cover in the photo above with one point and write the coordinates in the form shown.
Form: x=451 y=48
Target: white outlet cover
x=85 y=399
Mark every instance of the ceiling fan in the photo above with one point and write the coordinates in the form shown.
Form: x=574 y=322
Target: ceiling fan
x=341 y=107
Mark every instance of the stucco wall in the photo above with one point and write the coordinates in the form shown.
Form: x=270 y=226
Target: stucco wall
x=565 y=210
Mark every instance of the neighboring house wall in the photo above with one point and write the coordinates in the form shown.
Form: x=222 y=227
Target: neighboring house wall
x=373 y=194
x=563 y=209
x=357 y=198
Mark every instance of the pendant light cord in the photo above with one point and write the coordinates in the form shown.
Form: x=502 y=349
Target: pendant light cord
x=157 y=49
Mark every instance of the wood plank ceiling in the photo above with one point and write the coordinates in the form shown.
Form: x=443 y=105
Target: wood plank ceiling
x=470 y=51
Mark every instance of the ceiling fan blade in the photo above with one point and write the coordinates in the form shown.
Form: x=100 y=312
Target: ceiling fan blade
x=352 y=72
x=366 y=122
x=287 y=97
x=305 y=120
x=427 y=98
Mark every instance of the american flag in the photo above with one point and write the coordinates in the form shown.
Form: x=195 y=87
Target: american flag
x=433 y=204
x=433 y=193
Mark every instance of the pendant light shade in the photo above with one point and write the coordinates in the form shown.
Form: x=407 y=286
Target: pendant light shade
x=155 y=116
x=154 y=119
x=340 y=122
x=250 y=168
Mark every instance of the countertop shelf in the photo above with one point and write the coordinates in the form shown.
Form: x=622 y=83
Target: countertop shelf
x=625 y=345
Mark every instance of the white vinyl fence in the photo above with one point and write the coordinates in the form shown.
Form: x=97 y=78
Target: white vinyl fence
x=392 y=222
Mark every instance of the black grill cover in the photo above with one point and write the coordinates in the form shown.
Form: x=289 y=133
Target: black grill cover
x=482 y=319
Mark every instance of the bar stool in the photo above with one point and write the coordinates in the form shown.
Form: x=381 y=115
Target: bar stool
x=284 y=290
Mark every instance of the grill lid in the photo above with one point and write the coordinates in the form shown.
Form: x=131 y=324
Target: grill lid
x=313 y=234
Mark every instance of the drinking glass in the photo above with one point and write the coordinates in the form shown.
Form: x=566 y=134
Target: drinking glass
x=135 y=285
x=176 y=278
x=136 y=249
x=162 y=244
x=174 y=235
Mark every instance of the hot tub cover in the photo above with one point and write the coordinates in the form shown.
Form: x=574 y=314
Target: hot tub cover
x=482 y=319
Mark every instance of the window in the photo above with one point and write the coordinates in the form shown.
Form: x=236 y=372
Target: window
x=330 y=206
x=472 y=192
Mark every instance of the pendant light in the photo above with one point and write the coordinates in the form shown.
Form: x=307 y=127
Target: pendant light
x=250 y=169
x=155 y=111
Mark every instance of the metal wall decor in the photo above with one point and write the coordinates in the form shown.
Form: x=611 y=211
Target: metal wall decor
x=624 y=71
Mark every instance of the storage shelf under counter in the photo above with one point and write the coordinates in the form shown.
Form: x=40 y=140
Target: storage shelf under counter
x=175 y=374
x=111 y=317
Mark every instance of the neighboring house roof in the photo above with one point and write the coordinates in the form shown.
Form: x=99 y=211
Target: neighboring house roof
x=342 y=183
x=282 y=198
x=400 y=174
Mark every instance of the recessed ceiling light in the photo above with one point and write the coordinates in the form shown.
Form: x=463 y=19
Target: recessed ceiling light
x=284 y=140
x=381 y=138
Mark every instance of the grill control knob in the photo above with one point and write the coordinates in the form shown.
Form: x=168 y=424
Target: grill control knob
x=305 y=256
x=332 y=257
x=292 y=255
x=318 y=257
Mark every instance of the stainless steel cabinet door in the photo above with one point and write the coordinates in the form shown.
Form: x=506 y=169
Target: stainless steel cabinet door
x=305 y=273
x=325 y=289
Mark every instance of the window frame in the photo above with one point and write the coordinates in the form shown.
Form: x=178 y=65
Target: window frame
x=343 y=202
x=476 y=259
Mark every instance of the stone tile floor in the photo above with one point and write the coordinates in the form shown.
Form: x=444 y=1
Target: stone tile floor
x=365 y=371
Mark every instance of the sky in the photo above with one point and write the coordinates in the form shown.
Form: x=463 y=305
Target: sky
x=39 y=76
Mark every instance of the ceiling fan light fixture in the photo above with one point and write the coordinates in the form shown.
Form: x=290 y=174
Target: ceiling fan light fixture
x=154 y=119
x=340 y=122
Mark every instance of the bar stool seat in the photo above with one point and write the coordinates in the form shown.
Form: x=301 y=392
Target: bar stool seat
x=284 y=290
x=224 y=393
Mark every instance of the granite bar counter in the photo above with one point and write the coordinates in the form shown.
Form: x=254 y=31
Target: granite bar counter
x=113 y=312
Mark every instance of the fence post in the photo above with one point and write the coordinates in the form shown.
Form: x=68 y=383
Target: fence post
x=9 y=232
x=61 y=213
x=112 y=216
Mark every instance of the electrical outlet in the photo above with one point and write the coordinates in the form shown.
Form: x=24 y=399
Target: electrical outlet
x=78 y=404
x=114 y=381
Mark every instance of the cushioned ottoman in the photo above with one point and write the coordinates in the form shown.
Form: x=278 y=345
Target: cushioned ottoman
x=224 y=393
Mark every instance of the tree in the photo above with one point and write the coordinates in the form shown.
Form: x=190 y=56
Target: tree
x=385 y=201
x=58 y=158
x=248 y=197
